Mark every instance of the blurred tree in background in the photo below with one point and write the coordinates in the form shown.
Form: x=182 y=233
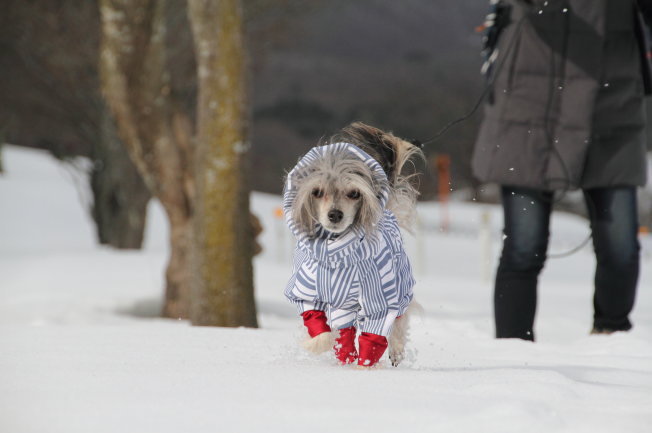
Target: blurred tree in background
x=200 y=180
x=51 y=99
x=156 y=132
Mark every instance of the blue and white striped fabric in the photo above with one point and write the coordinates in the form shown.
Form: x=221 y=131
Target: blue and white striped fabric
x=357 y=278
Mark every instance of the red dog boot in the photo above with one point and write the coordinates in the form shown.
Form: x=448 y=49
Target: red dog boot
x=315 y=321
x=372 y=347
x=345 y=346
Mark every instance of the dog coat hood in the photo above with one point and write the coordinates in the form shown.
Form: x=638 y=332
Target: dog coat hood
x=354 y=271
x=348 y=246
x=303 y=170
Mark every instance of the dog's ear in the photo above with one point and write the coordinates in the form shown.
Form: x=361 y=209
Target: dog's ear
x=302 y=210
x=370 y=210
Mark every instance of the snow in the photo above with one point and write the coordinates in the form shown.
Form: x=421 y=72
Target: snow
x=83 y=351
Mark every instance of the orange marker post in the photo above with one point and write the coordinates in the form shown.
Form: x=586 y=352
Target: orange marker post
x=281 y=234
x=442 y=164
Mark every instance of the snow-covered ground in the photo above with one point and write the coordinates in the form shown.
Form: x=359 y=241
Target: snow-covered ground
x=81 y=349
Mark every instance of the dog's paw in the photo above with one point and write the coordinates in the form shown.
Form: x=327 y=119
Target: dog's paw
x=396 y=357
x=320 y=344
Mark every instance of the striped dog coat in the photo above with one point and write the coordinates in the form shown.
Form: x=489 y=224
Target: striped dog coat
x=358 y=279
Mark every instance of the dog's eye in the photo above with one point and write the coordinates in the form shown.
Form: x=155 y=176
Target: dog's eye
x=354 y=195
x=317 y=193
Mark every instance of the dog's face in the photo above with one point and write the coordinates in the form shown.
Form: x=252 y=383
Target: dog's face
x=337 y=192
x=336 y=205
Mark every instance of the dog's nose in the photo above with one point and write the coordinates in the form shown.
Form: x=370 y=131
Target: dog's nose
x=335 y=215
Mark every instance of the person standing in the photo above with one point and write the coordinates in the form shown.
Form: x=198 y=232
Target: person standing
x=566 y=111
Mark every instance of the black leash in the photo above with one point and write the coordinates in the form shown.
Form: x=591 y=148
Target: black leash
x=496 y=20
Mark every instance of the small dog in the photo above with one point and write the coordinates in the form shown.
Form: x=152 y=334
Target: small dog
x=344 y=202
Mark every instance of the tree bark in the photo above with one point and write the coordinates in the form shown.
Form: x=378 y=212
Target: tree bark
x=223 y=292
x=120 y=196
x=136 y=85
x=51 y=99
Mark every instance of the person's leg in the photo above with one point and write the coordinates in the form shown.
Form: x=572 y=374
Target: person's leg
x=527 y=216
x=614 y=224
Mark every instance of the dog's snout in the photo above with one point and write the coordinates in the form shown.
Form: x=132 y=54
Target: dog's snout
x=335 y=215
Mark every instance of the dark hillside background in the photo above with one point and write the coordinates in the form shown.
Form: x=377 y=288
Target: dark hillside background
x=409 y=67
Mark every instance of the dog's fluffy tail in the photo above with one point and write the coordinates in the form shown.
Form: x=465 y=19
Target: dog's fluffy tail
x=403 y=197
x=393 y=154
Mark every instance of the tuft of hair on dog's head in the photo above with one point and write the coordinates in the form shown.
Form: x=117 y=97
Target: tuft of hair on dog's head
x=394 y=155
x=342 y=181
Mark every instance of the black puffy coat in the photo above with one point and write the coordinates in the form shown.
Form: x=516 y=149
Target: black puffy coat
x=567 y=106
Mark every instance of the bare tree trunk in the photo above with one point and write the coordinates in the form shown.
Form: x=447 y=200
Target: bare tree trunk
x=223 y=247
x=55 y=102
x=120 y=196
x=136 y=85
